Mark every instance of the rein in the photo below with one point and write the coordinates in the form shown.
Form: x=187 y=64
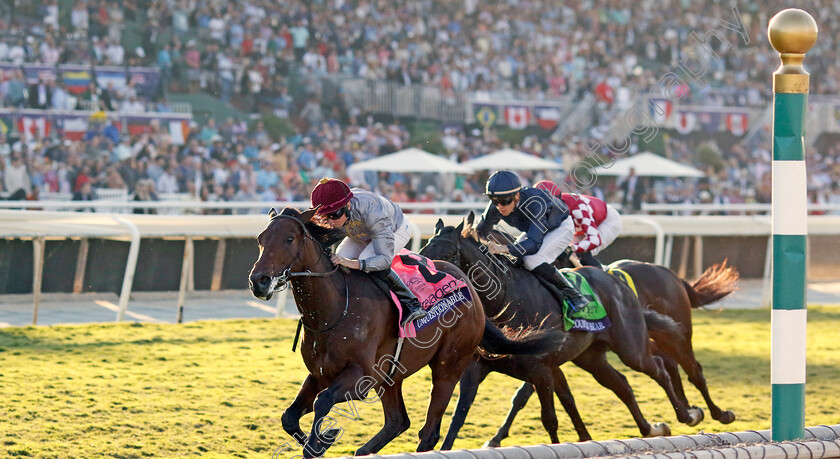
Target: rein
x=287 y=275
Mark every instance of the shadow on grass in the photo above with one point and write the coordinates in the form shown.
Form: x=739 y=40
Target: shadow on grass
x=31 y=338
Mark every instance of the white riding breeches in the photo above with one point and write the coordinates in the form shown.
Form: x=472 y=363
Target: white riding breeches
x=357 y=250
x=610 y=228
x=554 y=243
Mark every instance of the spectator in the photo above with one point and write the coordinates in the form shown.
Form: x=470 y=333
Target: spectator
x=15 y=92
x=16 y=178
x=40 y=94
x=145 y=191
x=85 y=193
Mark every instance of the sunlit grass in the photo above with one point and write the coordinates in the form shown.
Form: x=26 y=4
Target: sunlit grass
x=219 y=388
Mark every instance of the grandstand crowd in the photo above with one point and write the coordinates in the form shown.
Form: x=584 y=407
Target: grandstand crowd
x=249 y=52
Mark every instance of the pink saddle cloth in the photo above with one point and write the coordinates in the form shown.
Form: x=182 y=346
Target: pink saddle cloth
x=437 y=291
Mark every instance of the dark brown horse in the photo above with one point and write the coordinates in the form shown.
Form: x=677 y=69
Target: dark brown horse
x=515 y=297
x=350 y=336
x=661 y=290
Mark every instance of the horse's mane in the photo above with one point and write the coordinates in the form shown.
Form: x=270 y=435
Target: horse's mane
x=325 y=236
x=469 y=233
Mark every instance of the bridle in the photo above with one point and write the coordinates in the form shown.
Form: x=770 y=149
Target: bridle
x=457 y=246
x=287 y=275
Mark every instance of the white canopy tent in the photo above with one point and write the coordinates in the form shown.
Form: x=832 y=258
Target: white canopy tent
x=410 y=160
x=648 y=165
x=509 y=159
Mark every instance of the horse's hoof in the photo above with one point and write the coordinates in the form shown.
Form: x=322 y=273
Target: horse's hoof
x=329 y=436
x=492 y=444
x=726 y=417
x=659 y=429
x=695 y=415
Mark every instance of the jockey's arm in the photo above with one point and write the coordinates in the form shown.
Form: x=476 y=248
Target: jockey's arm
x=529 y=242
x=488 y=221
x=383 y=246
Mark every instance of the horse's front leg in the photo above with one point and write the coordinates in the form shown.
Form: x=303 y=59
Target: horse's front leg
x=301 y=405
x=396 y=419
x=342 y=388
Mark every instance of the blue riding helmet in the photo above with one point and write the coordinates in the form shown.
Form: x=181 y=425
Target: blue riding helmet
x=503 y=183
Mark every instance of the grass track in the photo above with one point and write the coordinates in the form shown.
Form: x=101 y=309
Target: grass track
x=217 y=389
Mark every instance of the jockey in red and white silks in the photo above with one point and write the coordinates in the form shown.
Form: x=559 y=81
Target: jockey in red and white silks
x=597 y=224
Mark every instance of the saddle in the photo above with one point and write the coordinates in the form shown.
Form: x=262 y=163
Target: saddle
x=592 y=318
x=437 y=291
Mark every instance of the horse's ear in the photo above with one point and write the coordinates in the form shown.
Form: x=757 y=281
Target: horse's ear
x=306 y=216
x=438 y=226
x=272 y=213
x=460 y=226
x=471 y=218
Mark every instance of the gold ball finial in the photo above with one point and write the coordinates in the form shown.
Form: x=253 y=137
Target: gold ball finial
x=792 y=31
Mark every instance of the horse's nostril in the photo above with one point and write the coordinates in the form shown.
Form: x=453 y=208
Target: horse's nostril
x=260 y=282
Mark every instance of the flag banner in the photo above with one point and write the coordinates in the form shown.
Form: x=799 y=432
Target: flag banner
x=709 y=121
x=31 y=72
x=685 y=122
x=179 y=130
x=486 y=115
x=517 y=117
x=660 y=110
x=138 y=124
x=111 y=78
x=75 y=79
x=33 y=127
x=547 y=117
x=737 y=123
x=146 y=80
x=72 y=127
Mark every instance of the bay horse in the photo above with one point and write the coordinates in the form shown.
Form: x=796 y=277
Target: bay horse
x=516 y=298
x=661 y=290
x=350 y=333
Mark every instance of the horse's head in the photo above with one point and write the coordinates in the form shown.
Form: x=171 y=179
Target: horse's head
x=284 y=247
x=445 y=244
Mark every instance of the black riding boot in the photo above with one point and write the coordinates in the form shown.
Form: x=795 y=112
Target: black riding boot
x=411 y=309
x=587 y=259
x=550 y=273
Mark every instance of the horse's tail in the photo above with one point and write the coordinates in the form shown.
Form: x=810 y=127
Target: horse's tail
x=661 y=323
x=715 y=283
x=522 y=341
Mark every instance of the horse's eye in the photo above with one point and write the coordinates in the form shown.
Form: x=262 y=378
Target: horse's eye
x=290 y=240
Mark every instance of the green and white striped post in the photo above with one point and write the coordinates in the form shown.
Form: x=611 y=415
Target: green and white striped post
x=792 y=32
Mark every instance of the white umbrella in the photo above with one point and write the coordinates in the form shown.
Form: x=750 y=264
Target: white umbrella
x=509 y=159
x=410 y=160
x=648 y=165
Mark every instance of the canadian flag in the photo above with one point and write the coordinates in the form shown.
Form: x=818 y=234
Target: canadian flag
x=548 y=117
x=32 y=128
x=737 y=123
x=517 y=117
x=685 y=122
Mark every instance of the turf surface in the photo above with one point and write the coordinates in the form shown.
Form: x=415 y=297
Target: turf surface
x=218 y=389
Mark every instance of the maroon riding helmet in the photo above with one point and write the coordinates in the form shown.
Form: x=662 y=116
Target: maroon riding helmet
x=330 y=195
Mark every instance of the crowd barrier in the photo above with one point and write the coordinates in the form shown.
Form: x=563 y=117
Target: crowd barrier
x=40 y=226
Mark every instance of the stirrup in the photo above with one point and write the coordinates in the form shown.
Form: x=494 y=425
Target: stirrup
x=411 y=316
x=583 y=302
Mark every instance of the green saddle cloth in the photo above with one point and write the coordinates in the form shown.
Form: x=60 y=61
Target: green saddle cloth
x=593 y=317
